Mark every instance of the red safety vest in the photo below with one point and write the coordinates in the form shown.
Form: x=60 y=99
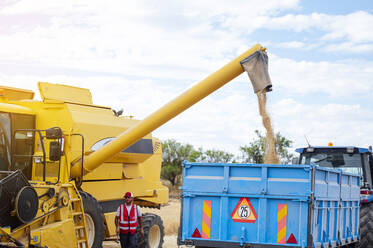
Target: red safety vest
x=128 y=222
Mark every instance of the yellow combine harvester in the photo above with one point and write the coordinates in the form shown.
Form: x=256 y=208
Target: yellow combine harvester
x=65 y=163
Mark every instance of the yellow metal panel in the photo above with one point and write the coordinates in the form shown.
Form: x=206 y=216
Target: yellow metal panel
x=131 y=158
x=133 y=171
x=15 y=94
x=110 y=225
x=64 y=93
x=106 y=171
x=57 y=235
x=51 y=171
x=160 y=198
x=151 y=168
x=114 y=190
x=12 y=108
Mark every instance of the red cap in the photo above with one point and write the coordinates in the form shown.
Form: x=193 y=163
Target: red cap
x=128 y=194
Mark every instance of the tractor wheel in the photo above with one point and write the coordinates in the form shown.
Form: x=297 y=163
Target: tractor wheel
x=94 y=219
x=153 y=232
x=366 y=225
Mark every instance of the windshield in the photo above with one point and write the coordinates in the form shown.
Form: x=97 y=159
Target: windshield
x=23 y=143
x=347 y=162
x=336 y=160
x=4 y=142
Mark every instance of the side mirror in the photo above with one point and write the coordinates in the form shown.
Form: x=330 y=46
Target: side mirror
x=54 y=151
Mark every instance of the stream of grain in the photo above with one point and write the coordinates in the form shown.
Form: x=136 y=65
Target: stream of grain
x=270 y=155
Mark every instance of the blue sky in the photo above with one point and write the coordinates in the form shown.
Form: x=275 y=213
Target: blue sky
x=335 y=7
x=137 y=55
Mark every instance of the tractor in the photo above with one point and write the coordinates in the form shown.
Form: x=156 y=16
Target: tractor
x=353 y=160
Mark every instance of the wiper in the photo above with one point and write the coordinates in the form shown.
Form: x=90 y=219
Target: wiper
x=321 y=159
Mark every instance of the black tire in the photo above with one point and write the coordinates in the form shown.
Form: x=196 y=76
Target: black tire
x=150 y=221
x=94 y=210
x=366 y=225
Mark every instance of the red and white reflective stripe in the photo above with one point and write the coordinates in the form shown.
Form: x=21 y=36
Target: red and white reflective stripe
x=121 y=213
x=126 y=222
x=126 y=228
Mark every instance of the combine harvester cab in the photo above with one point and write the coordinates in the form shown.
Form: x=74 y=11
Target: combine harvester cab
x=257 y=205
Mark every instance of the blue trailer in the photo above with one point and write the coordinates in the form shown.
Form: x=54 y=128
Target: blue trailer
x=256 y=205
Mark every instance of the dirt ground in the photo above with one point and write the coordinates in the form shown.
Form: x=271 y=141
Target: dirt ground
x=170 y=241
x=170 y=215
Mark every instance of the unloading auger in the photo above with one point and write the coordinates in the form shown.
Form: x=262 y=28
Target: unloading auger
x=254 y=61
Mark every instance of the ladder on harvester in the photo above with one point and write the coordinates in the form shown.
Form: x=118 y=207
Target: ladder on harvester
x=77 y=213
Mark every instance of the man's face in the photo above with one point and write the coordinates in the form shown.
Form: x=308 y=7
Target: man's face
x=128 y=200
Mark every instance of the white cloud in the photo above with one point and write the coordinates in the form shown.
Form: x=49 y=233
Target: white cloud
x=356 y=27
x=337 y=79
x=297 y=22
x=353 y=29
x=342 y=124
x=127 y=35
x=350 y=46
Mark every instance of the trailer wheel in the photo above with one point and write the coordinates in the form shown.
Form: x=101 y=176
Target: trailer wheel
x=153 y=232
x=94 y=219
x=366 y=225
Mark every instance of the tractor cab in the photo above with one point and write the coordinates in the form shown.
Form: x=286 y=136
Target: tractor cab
x=349 y=159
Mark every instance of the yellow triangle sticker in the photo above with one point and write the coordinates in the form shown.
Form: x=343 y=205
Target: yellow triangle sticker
x=244 y=211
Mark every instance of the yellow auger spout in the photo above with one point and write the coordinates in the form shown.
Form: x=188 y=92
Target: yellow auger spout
x=170 y=110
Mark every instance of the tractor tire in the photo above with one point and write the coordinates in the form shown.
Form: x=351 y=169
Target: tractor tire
x=94 y=219
x=366 y=225
x=153 y=232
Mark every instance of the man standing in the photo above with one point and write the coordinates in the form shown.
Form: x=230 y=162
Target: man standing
x=126 y=220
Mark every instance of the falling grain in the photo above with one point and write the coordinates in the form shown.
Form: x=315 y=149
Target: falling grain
x=270 y=155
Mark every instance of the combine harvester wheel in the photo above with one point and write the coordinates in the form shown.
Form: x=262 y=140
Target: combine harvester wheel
x=153 y=232
x=94 y=220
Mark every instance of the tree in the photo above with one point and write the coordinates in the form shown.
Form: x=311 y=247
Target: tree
x=254 y=152
x=174 y=153
x=282 y=145
x=217 y=156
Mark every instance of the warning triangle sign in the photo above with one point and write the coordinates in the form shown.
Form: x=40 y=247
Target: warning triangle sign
x=244 y=211
x=196 y=234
